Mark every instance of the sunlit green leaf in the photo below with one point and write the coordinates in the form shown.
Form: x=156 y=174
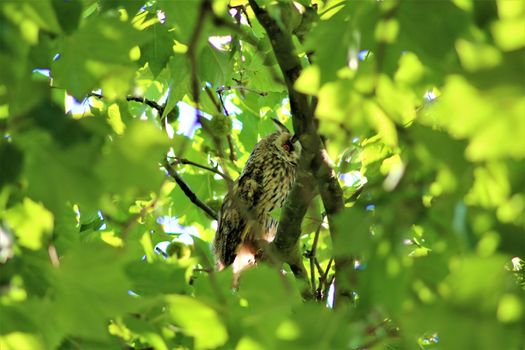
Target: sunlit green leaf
x=419 y=107
x=31 y=223
x=98 y=53
x=202 y=323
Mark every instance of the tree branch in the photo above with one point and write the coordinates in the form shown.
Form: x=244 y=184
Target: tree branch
x=323 y=280
x=315 y=168
x=192 y=46
x=241 y=88
x=188 y=192
x=178 y=160
x=150 y=103
x=220 y=107
x=204 y=11
x=285 y=245
x=311 y=256
x=180 y=181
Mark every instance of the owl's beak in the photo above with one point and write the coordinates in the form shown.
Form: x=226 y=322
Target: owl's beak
x=294 y=139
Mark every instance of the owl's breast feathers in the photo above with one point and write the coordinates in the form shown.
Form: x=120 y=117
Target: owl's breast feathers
x=245 y=218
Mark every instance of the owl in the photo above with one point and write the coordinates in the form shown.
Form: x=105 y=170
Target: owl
x=245 y=225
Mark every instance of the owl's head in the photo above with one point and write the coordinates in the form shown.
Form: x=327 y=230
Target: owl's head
x=287 y=144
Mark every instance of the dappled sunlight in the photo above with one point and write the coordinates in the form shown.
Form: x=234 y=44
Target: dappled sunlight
x=252 y=175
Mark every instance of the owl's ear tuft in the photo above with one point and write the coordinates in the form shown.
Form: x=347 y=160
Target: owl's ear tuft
x=280 y=126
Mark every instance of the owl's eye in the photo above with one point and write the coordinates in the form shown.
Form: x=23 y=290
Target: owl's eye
x=288 y=146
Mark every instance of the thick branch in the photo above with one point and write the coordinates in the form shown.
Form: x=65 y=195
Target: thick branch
x=290 y=65
x=192 y=47
x=313 y=151
x=285 y=245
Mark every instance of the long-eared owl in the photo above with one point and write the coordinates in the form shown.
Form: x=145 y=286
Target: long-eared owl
x=245 y=224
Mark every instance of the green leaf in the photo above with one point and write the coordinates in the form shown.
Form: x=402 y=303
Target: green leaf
x=69 y=173
x=182 y=16
x=131 y=6
x=313 y=326
x=477 y=283
x=130 y=165
x=90 y=282
x=339 y=39
x=490 y=120
x=18 y=330
x=264 y=311
x=31 y=222
x=353 y=232
x=309 y=80
x=214 y=66
x=455 y=327
x=415 y=37
x=97 y=55
x=150 y=278
x=202 y=323
x=158 y=50
x=68 y=14
x=179 y=69
x=250 y=131
x=260 y=73
x=39 y=13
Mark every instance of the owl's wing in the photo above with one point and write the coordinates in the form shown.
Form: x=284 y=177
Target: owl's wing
x=229 y=232
x=238 y=210
x=250 y=189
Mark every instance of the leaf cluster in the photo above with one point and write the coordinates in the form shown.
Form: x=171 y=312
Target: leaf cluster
x=421 y=109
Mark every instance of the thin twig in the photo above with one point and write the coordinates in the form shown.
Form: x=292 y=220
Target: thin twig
x=247 y=36
x=53 y=255
x=313 y=251
x=150 y=103
x=355 y=195
x=240 y=9
x=222 y=103
x=204 y=11
x=319 y=267
x=221 y=108
x=188 y=192
x=192 y=46
x=233 y=157
x=242 y=88
x=213 y=100
x=178 y=160
x=323 y=279
x=326 y=289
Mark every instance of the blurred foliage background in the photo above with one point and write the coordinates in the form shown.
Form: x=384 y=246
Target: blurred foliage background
x=422 y=108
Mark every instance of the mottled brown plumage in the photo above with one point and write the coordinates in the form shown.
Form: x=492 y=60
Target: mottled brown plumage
x=245 y=224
